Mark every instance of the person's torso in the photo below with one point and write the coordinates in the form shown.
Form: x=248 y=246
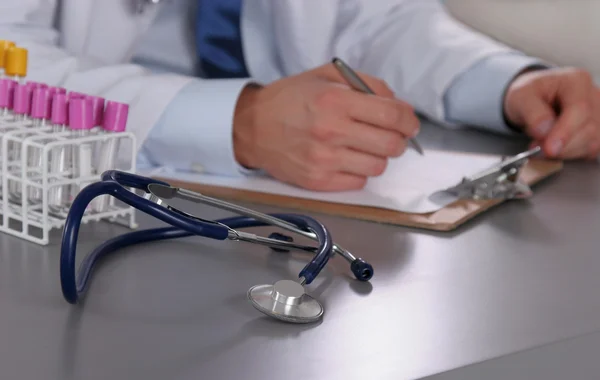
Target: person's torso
x=168 y=44
x=279 y=37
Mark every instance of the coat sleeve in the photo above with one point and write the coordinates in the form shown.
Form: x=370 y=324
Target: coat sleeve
x=416 y=46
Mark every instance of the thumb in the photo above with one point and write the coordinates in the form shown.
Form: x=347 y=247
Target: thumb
x=533 y=114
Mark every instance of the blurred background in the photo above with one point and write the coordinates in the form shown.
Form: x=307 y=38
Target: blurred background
x=562 y=32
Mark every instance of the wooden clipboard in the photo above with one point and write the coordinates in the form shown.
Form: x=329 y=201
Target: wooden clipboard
x=446 y=219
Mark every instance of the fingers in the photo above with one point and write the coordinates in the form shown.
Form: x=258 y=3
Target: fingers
x=593 y=150
x=585 y=142
x=581 y=145
x=385 y=113
x=378 y=86
x=577 y=87
x=323 y=168
x=361 y=164
x=574 y=97
x=324 y=158
x=529 y=103
x=375 y=141
x=537 y=117
x=339 y=132
x=571 y=122
x=535 y=99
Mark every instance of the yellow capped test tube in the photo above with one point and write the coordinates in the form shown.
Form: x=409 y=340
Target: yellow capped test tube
x=4 y=46
x=15 y=63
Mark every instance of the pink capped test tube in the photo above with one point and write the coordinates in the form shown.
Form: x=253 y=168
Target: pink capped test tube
x=22 y=104
x=40 y=106
x=7 y=94
x=40 y=114
x=60 y=156
x=97 y=110
x=81 y=121
x=59 y=112
x=115 y=121
x=22 y=111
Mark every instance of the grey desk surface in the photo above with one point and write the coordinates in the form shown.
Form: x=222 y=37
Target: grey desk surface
x=463 y=305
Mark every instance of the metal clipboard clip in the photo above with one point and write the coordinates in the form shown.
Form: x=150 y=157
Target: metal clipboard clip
x=500 y=181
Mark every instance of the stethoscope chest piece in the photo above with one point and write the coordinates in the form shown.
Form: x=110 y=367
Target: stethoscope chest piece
x=286 y=301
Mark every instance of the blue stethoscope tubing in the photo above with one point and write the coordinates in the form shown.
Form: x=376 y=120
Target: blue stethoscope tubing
x=115 y=183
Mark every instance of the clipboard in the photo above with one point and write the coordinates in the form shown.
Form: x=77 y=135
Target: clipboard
x=520 y=170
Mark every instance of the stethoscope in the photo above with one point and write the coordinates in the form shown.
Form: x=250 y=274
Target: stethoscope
x=284 y=300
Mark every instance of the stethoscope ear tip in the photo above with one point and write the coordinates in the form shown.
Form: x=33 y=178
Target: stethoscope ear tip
x=362 y=270
x=287 y=301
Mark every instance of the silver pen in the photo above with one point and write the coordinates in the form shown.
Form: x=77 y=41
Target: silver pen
x=358 y=84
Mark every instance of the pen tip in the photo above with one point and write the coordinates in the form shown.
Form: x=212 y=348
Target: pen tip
x=417 y=147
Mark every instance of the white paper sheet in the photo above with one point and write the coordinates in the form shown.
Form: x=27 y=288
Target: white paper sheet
x=406 y=185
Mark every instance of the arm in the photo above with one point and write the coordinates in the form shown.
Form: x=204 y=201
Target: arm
x=173 y=116
x=476 y=98
x=453 y=74
x=542 y=104
x=195 y=133
x=414 y=45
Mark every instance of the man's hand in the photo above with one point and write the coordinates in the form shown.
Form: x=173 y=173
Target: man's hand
x=559 y=109
x=314 y=131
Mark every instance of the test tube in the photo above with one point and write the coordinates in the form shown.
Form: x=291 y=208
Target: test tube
x=40 y=106
x=81 y=121
x=60 y=157
x=4 y=46
x=98 y=111
x=40 y=114
x=59 y=116
x=22 y=110
x=7 y=91
x=22 y=104
x=16 y=63
x=115 y=121
x=52 y=91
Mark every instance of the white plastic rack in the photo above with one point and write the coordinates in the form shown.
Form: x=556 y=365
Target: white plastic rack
x=36 y=193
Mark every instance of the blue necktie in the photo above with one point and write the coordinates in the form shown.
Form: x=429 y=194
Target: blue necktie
x=219 y=40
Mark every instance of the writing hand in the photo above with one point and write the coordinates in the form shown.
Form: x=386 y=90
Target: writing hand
x=313 y=131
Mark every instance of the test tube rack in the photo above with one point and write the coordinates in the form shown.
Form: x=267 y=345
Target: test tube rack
x=53 y=143
x=26 y=207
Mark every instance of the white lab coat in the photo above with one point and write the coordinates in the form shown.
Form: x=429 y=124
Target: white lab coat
x=413 y=44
